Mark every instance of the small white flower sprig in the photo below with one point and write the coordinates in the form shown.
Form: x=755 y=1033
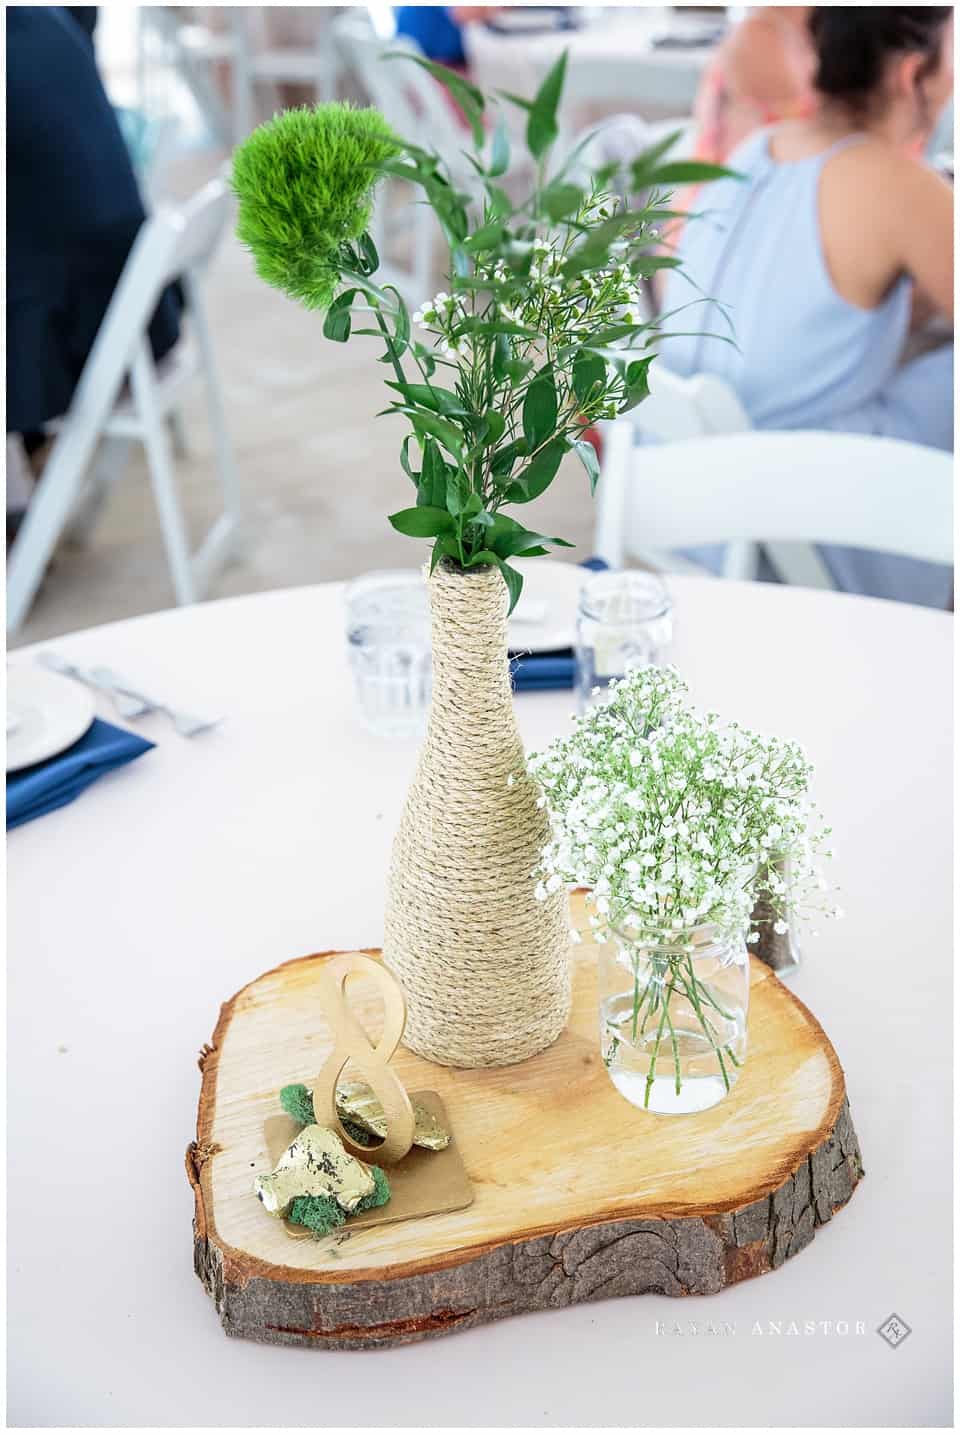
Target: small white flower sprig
x=675 y=819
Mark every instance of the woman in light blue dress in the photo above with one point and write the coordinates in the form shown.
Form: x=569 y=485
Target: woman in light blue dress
x=833 y=243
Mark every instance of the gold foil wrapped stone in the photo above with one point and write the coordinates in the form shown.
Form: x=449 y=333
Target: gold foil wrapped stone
x=358 y=1105
x=315 y=1164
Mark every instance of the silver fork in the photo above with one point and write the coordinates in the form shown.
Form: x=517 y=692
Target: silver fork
x=186 y=723
x=126 y=704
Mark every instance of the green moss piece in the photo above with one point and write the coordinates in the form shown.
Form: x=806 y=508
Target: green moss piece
x=305 y=181
x=320 y=1213
x=380 y=1193
x=297 y=1101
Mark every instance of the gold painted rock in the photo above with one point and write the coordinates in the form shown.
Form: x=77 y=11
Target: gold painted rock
x=315 y=1164
x=358 y=1104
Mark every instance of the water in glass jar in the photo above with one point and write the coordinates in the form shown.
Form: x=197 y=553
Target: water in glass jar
x=388 y=637
x=676 y=1072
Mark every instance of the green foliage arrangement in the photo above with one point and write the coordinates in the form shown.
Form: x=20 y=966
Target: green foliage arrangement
x=540 y=335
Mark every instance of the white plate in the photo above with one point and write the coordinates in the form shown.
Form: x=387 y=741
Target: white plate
x=46 y=714
x=546 y=615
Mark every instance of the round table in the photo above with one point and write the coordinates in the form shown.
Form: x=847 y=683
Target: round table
x=168 y=885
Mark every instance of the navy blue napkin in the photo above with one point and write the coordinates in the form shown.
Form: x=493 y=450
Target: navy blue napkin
x=549 y=671
x=51 y=784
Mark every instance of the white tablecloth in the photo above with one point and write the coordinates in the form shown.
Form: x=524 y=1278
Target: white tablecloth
x=168 y=885
x=612 y=63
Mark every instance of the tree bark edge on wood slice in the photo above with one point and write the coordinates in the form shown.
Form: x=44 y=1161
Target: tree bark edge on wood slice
x=675 y=1253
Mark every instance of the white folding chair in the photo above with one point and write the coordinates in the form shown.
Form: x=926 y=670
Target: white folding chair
x=176 y=243
x=260 y=65
x=804 y=486
x=170 y=37
x=676 y=409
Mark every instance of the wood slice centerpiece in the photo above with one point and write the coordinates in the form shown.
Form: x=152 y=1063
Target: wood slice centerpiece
x=578 y=1195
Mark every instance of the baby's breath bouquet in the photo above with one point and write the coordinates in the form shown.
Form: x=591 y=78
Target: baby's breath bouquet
x=540 y=333
x=677 y=822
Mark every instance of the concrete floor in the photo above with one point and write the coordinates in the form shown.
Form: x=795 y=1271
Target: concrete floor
x=319 y=472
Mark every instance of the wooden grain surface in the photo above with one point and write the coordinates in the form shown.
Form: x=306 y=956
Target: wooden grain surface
x=578 y=1194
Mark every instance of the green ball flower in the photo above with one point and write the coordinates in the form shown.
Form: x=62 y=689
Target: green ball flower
x=305 y=185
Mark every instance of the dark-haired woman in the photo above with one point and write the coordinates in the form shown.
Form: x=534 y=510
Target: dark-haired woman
x=821 y=251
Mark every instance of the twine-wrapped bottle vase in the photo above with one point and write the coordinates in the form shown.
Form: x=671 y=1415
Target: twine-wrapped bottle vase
x=484 y=966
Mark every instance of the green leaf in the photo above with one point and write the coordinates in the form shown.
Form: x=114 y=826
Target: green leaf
x=637 y=384
x=445 y=547
x=558 y=200
x=432 y=489
x=432 y=423
x=501 y=357
x=646 y=162
x=588 y=457
x=368 y=252
x=426 y=395
x=503 y=460
x=488 y=236
x=594 y=251
x=588 y=376
x=494 y=425
x=542 y=120
x=538 y=474
x=401 y=321
x=682 y=171
x=500 y=150
x=518 y=542
x=422 y=522
x=648 y=264
x=517 y=100
x=336 y=323
x=467 y=96
x=539 y=410
x=456 y=495
x=500 y=202
x=484 y=558
x=405 y=460
x=514 y=582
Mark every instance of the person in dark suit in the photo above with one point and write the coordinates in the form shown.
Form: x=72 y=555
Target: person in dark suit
x=73 y=213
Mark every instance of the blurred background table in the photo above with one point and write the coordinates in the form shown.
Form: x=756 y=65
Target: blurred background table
x=165 y=888
x=614 y=62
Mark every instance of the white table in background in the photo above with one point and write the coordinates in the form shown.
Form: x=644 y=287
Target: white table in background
x=613 y=63
x=135 y=911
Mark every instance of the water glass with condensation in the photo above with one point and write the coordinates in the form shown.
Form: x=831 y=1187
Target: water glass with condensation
x=624 y=621
x=388 y=637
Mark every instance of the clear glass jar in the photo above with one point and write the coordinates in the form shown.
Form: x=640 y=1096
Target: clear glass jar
x=673 y=1016
x=388 y=637
x=624 y=621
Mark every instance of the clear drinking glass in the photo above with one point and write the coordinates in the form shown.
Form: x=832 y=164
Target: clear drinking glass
x=388 y=634
x=673 y=1016
x=624 y=620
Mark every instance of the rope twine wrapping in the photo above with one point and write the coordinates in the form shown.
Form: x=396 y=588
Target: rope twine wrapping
x=484 y=966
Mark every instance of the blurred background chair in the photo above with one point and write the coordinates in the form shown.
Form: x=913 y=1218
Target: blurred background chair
x=802 y=487
x=175 y=243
